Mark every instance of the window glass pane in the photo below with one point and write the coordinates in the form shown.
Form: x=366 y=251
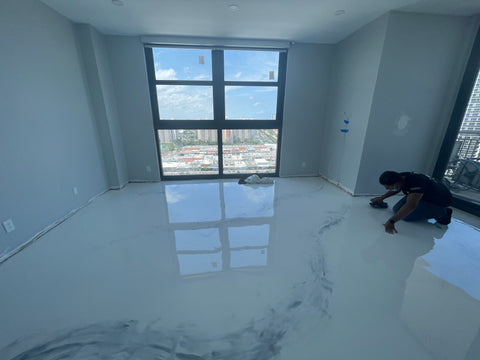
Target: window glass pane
x=249 y=151
x=243 y=65
x=188 y=152
x=250 y=102
x=182 y=64
x=463 y=170
x=185 y=102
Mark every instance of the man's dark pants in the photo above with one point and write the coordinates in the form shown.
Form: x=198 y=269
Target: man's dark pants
x=424 y=210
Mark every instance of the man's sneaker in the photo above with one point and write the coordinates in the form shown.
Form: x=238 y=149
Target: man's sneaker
x=445 y=219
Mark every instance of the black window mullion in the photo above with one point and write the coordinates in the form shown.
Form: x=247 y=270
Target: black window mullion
x=184 y=82
x=151 y=83
x=282 y=69
x=186 y=124
x=251 y=83
x=218 y=102
x=251 y=124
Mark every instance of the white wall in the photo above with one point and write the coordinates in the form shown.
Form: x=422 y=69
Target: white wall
x=352 y=84
x=420 y=72
x=129 y=74
x=102 y=98
x=111 y=107
x=48 y=140
x=308 y=72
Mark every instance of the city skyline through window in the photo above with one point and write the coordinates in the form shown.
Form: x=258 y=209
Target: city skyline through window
x=462 y=174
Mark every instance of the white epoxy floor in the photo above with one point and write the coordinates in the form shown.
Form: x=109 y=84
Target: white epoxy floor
x=216 y=270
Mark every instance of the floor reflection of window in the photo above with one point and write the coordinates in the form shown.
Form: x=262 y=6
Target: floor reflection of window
x=192 y=264
x=219 y=226
x=193 y=202
x=248 y=236
x=248 y=201
x=245 y=258
x=248 y=245
x=198 y=240
x=198 y=251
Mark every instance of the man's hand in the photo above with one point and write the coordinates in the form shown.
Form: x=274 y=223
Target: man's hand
x=390 y=228
x=377 y=199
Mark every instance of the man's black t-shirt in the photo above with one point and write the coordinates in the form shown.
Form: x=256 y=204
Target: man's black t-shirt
x=433 y=191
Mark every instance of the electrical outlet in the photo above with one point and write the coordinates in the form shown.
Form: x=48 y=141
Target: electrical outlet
x=75 y=191
x=8 y=225
x=149 y=168
x=304 y=164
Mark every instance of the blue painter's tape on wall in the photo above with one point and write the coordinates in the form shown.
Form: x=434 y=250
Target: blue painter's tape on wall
x=344 y=130
x=346 y=121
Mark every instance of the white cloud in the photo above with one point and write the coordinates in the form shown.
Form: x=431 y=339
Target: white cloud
x=256 y=104
x=237 y=75
x=173 y=196
x=185 y=102
x=166 y=74
x=202 y=77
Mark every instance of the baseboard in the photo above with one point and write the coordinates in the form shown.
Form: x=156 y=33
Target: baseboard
x=49 y=227
x=64 y=218
x=144 y=181
x=337 y=184
x=297 y=175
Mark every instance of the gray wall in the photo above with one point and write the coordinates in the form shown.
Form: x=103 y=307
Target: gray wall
x=104 y=104
x=48 y=140
x=129 y=73
x=421 y=68
x=308 y=71
x=352 y=84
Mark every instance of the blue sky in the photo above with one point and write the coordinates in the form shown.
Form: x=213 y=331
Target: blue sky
x=195 y=102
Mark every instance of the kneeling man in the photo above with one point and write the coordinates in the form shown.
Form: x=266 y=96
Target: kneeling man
x=425 y=198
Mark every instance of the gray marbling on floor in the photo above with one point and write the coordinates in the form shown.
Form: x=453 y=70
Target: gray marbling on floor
x=216 y=270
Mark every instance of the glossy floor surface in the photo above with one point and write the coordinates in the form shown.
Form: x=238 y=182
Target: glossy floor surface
x=217 y=270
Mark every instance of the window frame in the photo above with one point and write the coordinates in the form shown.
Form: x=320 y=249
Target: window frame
x=219 y=122
x=465 y=92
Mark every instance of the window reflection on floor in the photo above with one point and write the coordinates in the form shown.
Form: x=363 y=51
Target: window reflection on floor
x=220 y=226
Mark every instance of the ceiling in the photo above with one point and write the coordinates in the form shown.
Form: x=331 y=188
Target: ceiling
x=311 y=21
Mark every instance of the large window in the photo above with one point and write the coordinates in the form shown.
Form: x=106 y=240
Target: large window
x=459 y=160
x=217 y=112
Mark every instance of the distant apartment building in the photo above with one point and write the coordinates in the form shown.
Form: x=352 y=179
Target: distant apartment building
x=167 y=136
x=239 y=135
x=207 y=135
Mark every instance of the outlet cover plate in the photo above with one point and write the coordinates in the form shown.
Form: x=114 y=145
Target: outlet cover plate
x=8 y=225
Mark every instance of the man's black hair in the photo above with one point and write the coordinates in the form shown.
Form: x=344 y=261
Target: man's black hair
x=390 y=178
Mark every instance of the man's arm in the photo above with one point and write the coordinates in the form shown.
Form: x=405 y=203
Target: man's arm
x=403 y=212
x=379 y=199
